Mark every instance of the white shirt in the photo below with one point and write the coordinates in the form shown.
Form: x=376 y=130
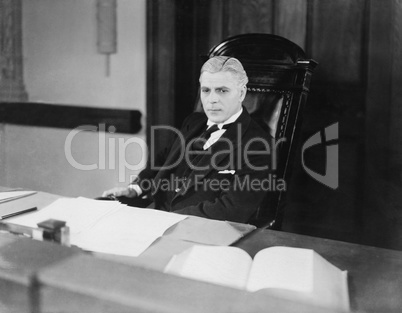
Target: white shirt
x=217 y=134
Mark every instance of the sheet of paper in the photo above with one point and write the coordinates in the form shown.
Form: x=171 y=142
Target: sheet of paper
x=282 y=268
x=227 y=266
x=12 y=195
x=330 y=285
x=79 y=213
x=128 y=231
x=300 y=275
x=207 y=231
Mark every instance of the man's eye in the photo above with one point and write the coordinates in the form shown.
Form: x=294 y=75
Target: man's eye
x=204 y=90
x=222 y=90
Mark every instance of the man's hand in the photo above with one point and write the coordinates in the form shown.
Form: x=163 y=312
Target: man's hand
x=120 y=192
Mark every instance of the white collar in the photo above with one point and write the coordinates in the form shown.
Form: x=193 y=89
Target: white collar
x=231 y=119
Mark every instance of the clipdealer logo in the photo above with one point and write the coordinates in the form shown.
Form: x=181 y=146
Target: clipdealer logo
x=109 y=147
x=328 y=137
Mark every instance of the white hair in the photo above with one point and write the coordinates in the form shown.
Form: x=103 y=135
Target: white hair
x=226 y=64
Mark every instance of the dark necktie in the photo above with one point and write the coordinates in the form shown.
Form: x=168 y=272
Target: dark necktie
x=199 y=142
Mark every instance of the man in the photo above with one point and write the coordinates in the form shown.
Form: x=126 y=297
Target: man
x=219 y=177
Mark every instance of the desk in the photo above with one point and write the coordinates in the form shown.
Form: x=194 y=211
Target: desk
x=375 y=276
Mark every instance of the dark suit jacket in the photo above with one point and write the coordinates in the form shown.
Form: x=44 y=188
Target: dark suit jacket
x=225 y=186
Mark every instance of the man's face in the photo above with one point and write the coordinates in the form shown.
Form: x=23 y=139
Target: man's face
x=221 y=96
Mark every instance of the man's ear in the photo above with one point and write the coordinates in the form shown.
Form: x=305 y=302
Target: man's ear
x=243 y=92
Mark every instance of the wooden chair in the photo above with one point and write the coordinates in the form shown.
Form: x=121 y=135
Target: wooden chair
x=279 y=80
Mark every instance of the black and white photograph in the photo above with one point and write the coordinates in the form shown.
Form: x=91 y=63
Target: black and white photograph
x=200 y=156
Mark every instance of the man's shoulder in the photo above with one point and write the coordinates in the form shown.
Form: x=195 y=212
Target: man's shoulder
x=195 y=117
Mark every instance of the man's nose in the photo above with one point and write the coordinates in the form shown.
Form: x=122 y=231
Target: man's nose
x=213 y=97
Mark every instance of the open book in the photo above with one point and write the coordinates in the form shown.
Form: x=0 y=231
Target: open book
x=293 y=273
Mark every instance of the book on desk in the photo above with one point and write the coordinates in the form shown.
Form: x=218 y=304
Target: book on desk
x=292 y=273
x=10 y=195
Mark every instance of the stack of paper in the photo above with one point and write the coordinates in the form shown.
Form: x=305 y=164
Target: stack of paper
x=128 y=231
x=105 y=226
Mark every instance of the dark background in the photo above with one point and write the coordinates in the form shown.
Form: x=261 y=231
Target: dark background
x=358 y=45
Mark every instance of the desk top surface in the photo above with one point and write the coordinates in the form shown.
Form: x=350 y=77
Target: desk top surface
x=375 y=274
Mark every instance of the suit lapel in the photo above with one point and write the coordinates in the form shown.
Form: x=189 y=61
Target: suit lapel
x=177 y=151
x=220 y=149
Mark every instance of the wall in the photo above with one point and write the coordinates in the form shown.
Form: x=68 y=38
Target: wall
x=382 y=208
x=62 y=66
x=61 y=63
x=69 y=163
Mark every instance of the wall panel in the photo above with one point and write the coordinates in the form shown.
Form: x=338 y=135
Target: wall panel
x=160 y=65
x=249 y=16
x=291 y=20
x=383 y=178
x=337 y=39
